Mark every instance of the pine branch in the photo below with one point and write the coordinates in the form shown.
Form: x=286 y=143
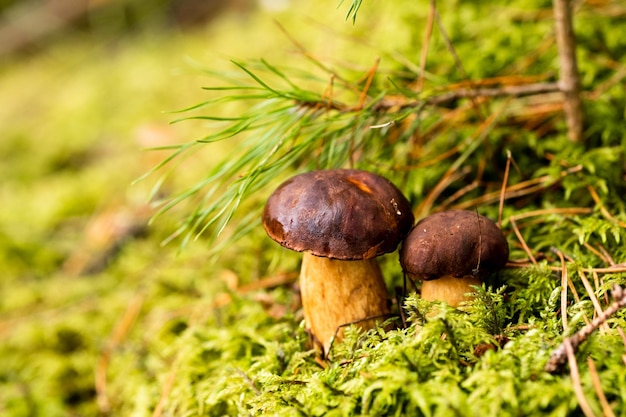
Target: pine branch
x=504 y=91
x=559 y=356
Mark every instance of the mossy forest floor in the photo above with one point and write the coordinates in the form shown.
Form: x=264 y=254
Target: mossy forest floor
x=103 y=312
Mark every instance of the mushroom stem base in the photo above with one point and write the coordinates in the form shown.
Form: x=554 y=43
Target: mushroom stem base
x=449 y=289
x=336 y=293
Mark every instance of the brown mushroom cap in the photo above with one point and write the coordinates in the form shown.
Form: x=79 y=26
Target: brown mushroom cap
x=458 y=243
x=342 y=214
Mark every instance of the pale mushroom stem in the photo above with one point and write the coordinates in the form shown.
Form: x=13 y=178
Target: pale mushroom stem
x=336 y=293
x=449 y=289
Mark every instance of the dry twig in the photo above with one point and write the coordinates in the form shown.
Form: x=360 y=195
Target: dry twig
x=560 y=356
x=595 y=379
x=569 y=82
x=578 y=389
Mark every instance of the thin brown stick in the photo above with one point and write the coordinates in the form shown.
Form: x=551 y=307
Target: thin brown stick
x=603 y=210
x=544 y=212
x=328 y=92
x=455 y=56
x=572 y=287
x=564 y=282
x=596 y=252
x=599 y=283
x=119 y=332
x=522 y=241
x=569 y=82
x=434 y=160
x=588 y=288
x=427 y=36
x=166 y=389
x=569 y=282
x=607 y=411
x=471 y=186
x=448 y=42
x=310 y=56
x=607 y=255
x=576 y=384
x=368 y=83
x=505 y=180
x=610 y=270
x=592 y=296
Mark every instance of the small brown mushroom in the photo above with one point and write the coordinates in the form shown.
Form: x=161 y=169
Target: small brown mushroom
x=452 y=251
x=341 y=219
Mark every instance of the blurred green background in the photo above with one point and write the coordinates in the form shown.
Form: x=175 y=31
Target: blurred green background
x=86 y=87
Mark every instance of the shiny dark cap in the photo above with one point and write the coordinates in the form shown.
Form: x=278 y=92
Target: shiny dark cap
x=341 y=214
x=457 y=243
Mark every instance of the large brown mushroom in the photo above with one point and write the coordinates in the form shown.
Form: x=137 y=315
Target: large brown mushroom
x=341 y=219
x=452 y=251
